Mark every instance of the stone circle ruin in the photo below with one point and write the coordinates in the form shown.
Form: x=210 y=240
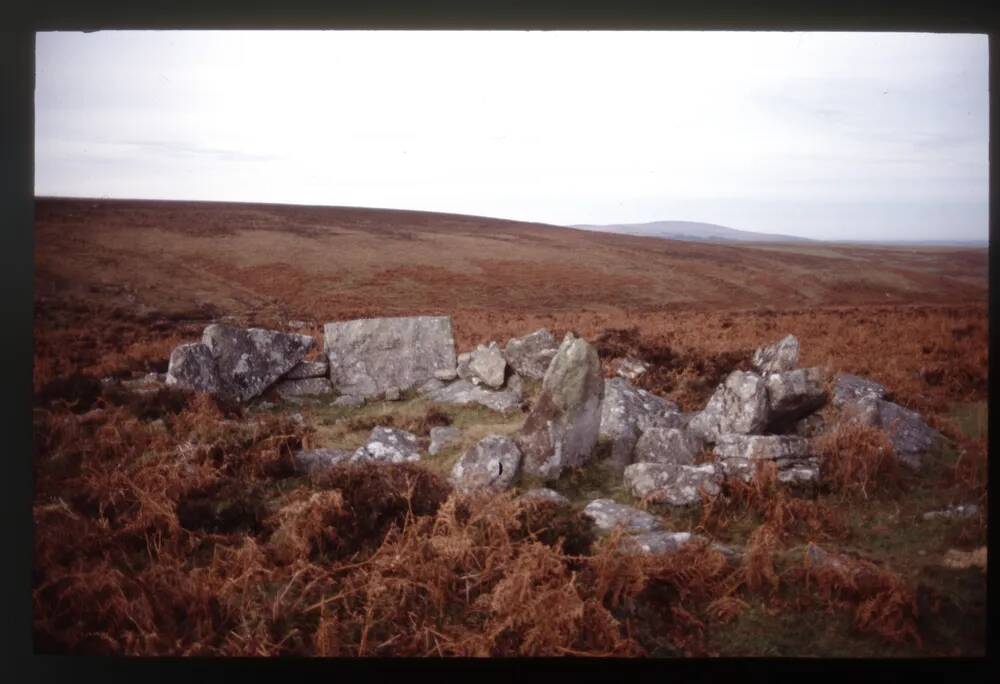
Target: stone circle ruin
x=772 y=413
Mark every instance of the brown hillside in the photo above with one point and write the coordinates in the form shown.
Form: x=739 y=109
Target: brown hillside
x=329 y=262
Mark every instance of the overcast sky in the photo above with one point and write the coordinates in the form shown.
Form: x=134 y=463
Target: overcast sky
x=823 y=135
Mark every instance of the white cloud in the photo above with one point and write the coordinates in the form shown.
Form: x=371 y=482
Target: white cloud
x=563 y=127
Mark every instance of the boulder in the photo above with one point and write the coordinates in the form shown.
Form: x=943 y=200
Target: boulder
x=545 y=494
x=608 y=514
x=251 y=360
x=531 y=355
x=306 y=387
x=628 y=368
x=850 y=388
x=491 y=463
x=911 y=437
x=370 y=355
x=388 y=445
x=561 y=430
x=795 y=394
x=627 y=411
x=672 y=484
x=668 y=445
x=739 y=405
x=778 y=357
x=193 y=367
x=442 y=437
x=318 y=460
x=464 y=392
x=320 y=368
x=488 y=365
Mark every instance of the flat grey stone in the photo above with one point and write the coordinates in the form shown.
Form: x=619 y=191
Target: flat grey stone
x=388 y=445
x=608 y=514
x=464 y=392
x=762 y=447
x=544 y=494
x=959 y=511
x=369 y=356
x=672 y=484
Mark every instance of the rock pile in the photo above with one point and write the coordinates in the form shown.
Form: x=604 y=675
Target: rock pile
x=771 y=413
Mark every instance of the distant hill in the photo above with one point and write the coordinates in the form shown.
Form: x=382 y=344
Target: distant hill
x=692 y=231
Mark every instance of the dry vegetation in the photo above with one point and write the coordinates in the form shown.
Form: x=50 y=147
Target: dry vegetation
x=174 y=524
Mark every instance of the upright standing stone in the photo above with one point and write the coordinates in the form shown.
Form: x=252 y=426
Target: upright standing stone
x=371 y=355
x=563 y=425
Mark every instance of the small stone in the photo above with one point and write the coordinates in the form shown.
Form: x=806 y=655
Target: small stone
x=545 y=494
x=318 y=460
x=388 y=445
x=392 y=394
x=608 y=514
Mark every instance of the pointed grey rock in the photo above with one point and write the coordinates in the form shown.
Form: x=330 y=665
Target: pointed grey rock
x=193 y=367
x=778 y=357
x=561 y=430
x=251 y=360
